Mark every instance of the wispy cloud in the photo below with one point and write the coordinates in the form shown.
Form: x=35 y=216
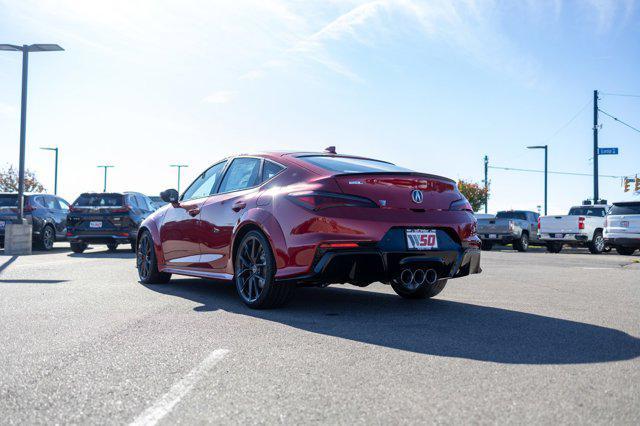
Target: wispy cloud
x=221 y=97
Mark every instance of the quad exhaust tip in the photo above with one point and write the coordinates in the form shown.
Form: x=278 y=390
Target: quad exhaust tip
x=418 y=276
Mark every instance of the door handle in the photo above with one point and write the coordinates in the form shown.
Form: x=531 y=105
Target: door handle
x=194 y=212
x=239 y=205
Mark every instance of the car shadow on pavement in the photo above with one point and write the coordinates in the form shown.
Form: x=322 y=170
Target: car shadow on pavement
x=434 y=327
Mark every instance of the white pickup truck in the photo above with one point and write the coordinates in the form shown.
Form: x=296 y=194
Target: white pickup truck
x=583 y=227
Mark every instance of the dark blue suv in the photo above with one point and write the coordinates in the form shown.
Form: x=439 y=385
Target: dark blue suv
x=47 y=213
x=110 y=218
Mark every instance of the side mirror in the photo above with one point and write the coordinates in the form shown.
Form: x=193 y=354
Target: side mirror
x=170 y=196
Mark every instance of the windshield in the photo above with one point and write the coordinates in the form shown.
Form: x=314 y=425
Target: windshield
x=99 y=200
x=512 y=215
x=8 y=200
x=587 y=211
x=352 y=165
x=625 y=208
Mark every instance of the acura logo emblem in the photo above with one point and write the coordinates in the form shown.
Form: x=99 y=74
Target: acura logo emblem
x=416 y=196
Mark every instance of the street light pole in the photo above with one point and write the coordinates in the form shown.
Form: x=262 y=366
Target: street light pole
x=105 y=167
x=546 y=171
x=55 y=178
x=25 y=49
x=179 y=166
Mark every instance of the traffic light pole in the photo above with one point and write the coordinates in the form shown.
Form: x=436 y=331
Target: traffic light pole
x=595 y=147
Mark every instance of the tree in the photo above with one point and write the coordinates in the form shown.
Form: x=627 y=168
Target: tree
x=475 y=193
x=9 y=181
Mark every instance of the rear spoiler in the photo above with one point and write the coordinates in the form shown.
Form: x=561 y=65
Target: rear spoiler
x=415 y=174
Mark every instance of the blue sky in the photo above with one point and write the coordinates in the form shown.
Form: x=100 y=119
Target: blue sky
x=432 y=86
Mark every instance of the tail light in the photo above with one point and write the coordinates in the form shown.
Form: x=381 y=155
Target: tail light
x=123 y=209
x=538 y=224
x=339 y=245
x=461 y=204
x=324 y=200
x=581 y=222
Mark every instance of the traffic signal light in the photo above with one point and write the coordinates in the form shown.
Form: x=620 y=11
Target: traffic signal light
x=627 y=183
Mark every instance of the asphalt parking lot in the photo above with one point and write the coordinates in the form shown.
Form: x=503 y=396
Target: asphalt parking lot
x=535 y=338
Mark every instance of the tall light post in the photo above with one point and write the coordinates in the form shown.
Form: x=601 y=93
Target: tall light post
x=546 y=173
x=55 y=178
x=179 y=166
x=25 y=49
x=105 y=167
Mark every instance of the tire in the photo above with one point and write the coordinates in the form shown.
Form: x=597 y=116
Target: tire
x=78 y=247
x=522 y=243
x=255 y=269
x=147 y=262
x=112 y=247
x=596 y=245
x=47 y=238
x=554 y=247
x=423 y=291
x=625 y=251
x=486 y=246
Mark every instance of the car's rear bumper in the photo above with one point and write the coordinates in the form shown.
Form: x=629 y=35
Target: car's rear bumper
x=565 y=238
x=383 y=261
x=626 y=241
x=103 y=238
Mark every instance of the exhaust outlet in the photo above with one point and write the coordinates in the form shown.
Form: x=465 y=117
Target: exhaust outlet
x=431 y=276
x=419 y=276
x=406 y=276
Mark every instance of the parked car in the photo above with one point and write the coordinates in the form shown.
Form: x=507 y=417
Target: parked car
x=582 y=227
x=107 y=218
x=622 y=227
x=517 y=227
x=157 y=201
x=46 y=213
x=273 y=221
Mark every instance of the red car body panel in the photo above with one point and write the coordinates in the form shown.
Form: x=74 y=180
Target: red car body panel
x=197 y=237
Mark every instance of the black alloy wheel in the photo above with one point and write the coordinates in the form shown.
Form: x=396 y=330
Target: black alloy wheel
x=254 y=274
x=147 y=264
x=47 y=238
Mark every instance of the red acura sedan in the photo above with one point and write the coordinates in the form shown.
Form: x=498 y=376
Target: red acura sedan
x=274 y=221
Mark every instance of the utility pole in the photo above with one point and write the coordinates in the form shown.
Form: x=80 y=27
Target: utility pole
x=179 y=166
x=486 y=183
x=595 y=147
x=106 y=166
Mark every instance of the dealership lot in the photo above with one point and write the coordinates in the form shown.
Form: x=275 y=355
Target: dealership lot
x=536 y=337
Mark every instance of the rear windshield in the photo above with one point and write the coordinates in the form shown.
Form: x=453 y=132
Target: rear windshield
x=512 y=215
x=99 y=200
x=625 y=208
x=587 y=211
x=352 y=165
x=8 y=200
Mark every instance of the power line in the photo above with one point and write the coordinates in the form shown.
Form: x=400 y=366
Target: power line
x=621 y=94
x=564 y=126
x=618 y=120
x=550 y=172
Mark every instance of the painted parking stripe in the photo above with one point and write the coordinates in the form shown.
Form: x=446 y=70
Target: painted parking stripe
x=168 y=401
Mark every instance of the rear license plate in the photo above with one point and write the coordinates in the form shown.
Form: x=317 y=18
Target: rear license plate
x=421 y=239
x=556 y=235
x=95 y=224
x=2 y=223
x=624 y=223
x=493 y=236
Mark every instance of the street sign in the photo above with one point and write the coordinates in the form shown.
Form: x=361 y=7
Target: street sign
x=607 y=151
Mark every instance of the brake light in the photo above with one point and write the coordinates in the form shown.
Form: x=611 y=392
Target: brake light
x=123 y=209
x=28 y=208
x=538 y=224
x=324 y=200
x=461 y=205
x=339 y=245
x=581 y=222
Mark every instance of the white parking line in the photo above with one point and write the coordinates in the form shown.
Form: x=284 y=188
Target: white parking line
x=166 y=402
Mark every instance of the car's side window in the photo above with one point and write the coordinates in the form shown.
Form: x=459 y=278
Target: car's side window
x=49 y=202
x=270 y=169
x=141 y=202
x=132 y=201
x=205 y=184
x=63 y=204
x=243 y=173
